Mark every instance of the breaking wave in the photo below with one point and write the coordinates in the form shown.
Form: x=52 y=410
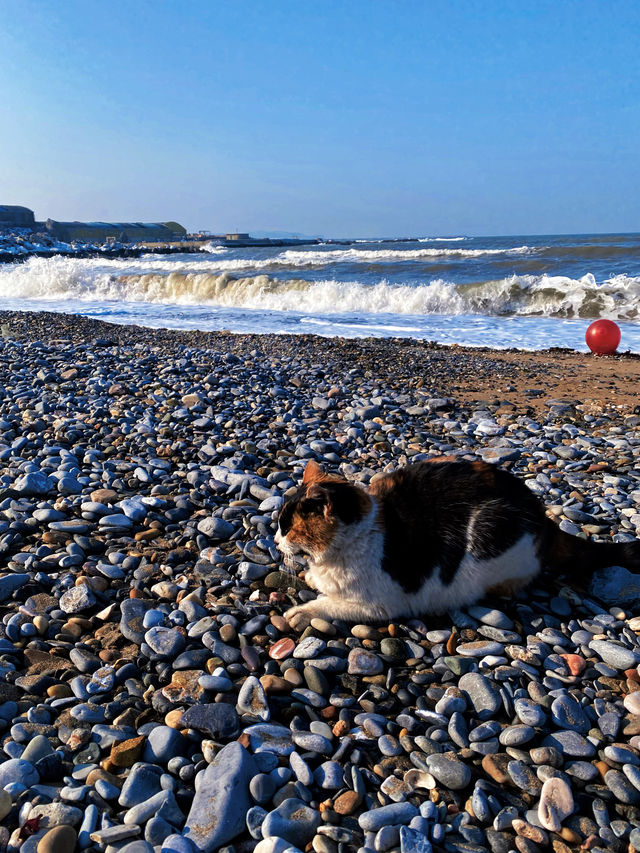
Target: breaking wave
x=60 y=279
x=217 y=257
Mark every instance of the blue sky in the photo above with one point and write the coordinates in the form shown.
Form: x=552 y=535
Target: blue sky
x=335 y=118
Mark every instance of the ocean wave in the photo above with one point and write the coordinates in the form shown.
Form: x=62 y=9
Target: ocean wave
x=313 y=258
x=213 y=248
x=294 y=257
x=441 y=239
x=59 y=279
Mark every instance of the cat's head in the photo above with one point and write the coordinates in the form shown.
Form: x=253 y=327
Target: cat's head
x=319 y=513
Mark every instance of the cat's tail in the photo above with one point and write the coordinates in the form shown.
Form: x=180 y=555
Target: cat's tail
x=579 y=558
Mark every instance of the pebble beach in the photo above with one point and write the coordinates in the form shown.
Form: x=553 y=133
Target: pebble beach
x=153 y=697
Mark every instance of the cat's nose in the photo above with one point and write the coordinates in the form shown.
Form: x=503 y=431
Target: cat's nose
x=278 y=537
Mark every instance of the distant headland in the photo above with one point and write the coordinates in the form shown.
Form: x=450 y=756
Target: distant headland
x=22 y=236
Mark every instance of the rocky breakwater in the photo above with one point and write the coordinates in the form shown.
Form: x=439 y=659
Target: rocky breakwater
x=152 y=697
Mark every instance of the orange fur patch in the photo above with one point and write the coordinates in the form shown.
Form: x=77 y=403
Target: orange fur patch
x=313 y=531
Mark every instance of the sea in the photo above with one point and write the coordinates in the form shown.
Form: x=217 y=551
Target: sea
x=501 y=292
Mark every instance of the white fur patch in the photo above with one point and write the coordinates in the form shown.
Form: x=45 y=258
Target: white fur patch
x=354 y=587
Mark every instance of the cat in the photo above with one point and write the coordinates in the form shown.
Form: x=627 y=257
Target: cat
x=426 y=538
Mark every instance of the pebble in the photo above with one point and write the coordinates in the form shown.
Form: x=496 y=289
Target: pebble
x=363 y=662
x=450 y=772
x=218 y=810
x=616 y=656
x=482 y=695
x=292 y=820
x=556 y=804
x=59 y=839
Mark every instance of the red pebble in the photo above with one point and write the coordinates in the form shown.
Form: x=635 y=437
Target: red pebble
x=576 y=664
x=282 y=649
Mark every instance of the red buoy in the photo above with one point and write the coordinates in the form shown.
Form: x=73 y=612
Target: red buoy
x=603 y=337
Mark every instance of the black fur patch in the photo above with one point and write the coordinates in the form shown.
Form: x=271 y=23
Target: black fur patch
x=426 y=511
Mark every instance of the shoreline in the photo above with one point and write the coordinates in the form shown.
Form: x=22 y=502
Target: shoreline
x=509 y=378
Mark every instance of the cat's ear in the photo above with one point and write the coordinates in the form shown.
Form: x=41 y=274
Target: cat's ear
x=313 y=473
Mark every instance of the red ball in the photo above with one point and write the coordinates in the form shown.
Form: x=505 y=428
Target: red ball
x=603 y=337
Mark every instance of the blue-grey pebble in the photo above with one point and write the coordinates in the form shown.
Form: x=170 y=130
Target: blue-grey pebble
x=220 y=805
x=156 y=830
x=178 y=843
x=262 y=788
x=292 y=820
x=530 y=713
x=329 y=775
x=570 y=743
x=621 y=788
x=452 y=773
x=482 y=694
x=142 y=783
x=394 y=813
x=312 y=742
x=615 y=655
x=162 y=744
x=567 y=713
x=301 y=769
x=516 y=735
x=163 y=804
x=255 y=819
x=412 y=841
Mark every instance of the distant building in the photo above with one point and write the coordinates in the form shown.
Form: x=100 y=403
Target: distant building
x=14 y=216
x=242 y=237
x=124 y=232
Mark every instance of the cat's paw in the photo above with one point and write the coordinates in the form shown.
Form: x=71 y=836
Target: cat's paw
x=299 y=617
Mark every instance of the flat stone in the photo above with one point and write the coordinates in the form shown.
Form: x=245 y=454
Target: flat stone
x=615 y=586
x=222 y=800
x=217 y=720
x=484 y=697
x=556 y=804
x=363 y=662
x=292 y=820
x=616 y=656
x=77 y=599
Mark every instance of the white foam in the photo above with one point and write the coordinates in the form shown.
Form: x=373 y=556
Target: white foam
x=191 y=283
x=441 y=239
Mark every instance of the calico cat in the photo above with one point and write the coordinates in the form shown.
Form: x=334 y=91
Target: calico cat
x=426 y=538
